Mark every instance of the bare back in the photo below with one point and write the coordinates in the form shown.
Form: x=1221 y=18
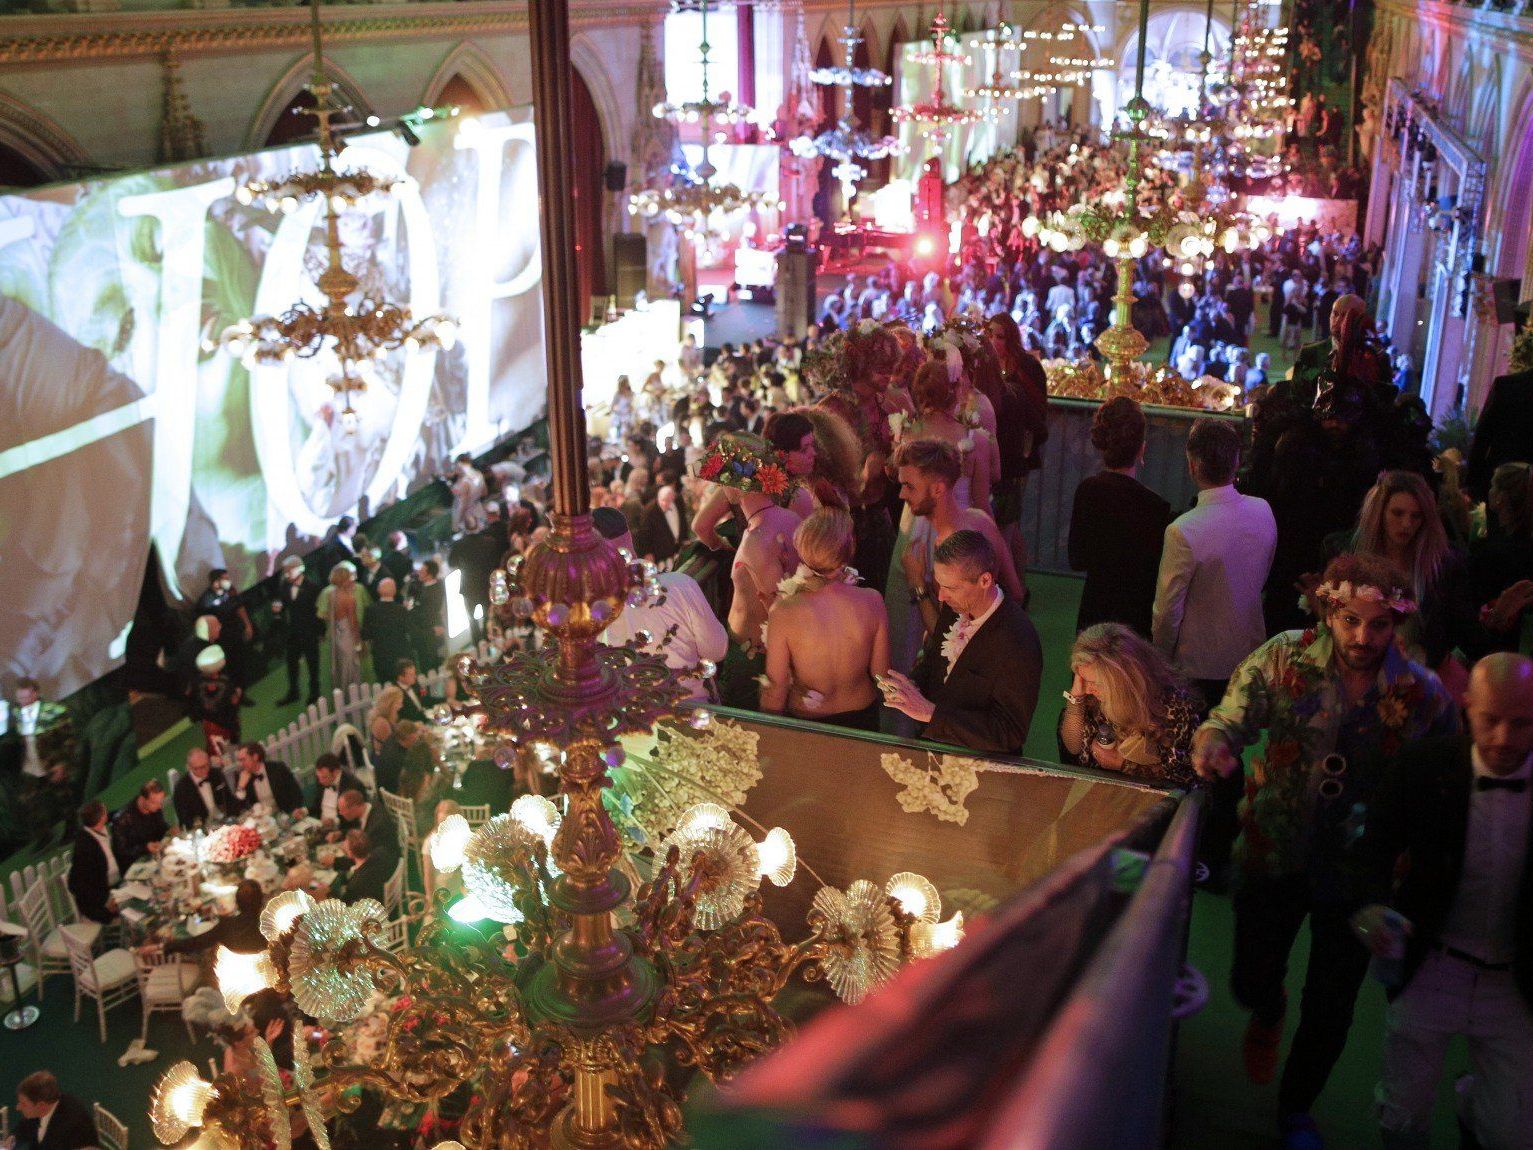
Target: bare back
x=832 y=641
x=765 y=555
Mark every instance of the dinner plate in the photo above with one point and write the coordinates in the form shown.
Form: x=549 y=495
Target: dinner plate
x=193 y=929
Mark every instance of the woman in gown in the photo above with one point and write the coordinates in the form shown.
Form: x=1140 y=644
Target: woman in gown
x=341 y=606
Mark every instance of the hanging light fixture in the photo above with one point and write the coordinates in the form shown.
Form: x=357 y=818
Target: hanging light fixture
x=936 y=118
x=691 y=201
x=847 y=74
x=848 y=143
x=358 y=330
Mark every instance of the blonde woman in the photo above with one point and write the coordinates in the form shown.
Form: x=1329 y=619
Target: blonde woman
x=341 y=605
x=1399 y=522
x=434 y=879
x=383 y=717
x=827 y=638
x=1127 y=709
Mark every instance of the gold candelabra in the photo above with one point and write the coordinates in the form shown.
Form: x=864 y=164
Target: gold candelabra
x=562 y=1034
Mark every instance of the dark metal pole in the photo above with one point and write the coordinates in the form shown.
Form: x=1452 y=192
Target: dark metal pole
x=550 y=36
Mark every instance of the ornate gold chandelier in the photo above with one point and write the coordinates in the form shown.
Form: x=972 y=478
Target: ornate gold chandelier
x=553 y=1030
x=357 y=330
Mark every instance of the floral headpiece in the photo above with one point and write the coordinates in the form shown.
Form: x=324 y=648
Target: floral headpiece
x=747 y=463
x=867 y=348
x=952 y=343
x=1337 y=594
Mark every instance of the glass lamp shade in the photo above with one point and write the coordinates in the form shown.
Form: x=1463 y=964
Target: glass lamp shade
x=180 y=1098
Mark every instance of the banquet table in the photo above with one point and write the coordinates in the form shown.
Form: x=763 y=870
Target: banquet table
x=180 y=891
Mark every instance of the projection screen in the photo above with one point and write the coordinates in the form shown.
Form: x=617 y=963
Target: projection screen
x=120 y=427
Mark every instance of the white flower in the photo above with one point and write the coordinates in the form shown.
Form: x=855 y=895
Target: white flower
x=813 y=700
x=896 y=423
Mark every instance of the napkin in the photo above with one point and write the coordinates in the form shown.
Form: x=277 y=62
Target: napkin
x=133 y=890
x=132 y=915
x=137 y=1052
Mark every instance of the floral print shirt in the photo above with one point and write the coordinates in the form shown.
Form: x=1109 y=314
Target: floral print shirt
x=1307 y=790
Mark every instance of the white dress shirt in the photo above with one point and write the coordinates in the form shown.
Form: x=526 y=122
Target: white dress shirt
x=699 y=634
x=963 y=630
x=263 y=793
x=42 y=1123
x=113 y=871
x=1208 y=599
x=1482 y=919
x=673 y=521
x=26 y=726
x=205 y=789
x=328 y=798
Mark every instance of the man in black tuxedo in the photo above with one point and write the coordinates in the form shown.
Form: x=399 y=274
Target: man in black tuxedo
x=294 y=607
x=417 y=702
x=486 y=782
x=240 y=932
x=369 y=872
x=475 y=556
x=331 y=781
x=1459 y=811
x=388 y=630
x=93 y=867
x=977 y=683
x=430 y=615
x=51 y=1119
x=663 y=526
x=270 y=784
x=1504 y=431
x=140 y=827
x=372 y=819
x=202 y=794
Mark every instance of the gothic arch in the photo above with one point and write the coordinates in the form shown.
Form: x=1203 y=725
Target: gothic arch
x=476 y=70
x=587 y=59
x=287 y=89
x=38 y=140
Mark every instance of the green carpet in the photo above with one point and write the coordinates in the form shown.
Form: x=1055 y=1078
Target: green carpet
x=1213 y=1106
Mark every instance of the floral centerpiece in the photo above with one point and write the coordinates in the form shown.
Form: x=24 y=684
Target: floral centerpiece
x=230 y=844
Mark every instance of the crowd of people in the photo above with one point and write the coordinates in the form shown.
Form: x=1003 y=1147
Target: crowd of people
x=1337 y=603
x=838 y=528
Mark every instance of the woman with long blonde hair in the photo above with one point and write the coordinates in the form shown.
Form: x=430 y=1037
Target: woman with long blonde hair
x=341 y=605
x=827 y=638
x=383 y=716
x=1128 y=710
x=1399 y=522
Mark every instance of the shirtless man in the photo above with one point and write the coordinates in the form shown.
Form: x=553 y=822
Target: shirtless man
x=827 y=638
x=928 y=471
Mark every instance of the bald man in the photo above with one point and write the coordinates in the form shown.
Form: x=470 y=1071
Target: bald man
x=1315 y=357
x=1457 y=813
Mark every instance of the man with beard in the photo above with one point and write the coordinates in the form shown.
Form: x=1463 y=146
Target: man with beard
x=294 y=606
x=1336 y=705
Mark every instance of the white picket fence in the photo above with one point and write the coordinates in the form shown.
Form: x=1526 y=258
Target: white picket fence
x=298 y=744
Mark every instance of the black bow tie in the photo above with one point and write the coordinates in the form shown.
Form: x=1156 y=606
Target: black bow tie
x=1491 y=783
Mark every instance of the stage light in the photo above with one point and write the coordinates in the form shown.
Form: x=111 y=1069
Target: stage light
x=924 y=246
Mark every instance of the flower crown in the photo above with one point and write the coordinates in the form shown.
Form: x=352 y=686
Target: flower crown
x=747 y=463
x=1336 y=594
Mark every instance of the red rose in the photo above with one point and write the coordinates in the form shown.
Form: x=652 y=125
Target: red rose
x=711 y=467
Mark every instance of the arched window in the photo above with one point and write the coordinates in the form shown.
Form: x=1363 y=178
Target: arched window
x=589 y=160
x=460 y=93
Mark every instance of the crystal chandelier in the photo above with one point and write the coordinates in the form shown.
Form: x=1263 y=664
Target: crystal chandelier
x=937 y=117
x=553 y=1033
x=848 y=143
x=691 y=200
x=998 y=95
x=848 y=74
x=357 y=330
